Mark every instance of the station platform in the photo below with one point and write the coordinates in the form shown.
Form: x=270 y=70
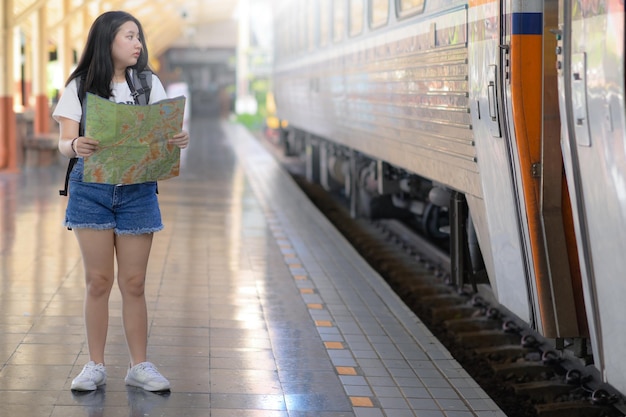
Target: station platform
x=257 y=306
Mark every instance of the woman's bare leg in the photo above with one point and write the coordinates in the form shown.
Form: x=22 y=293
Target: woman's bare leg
x=132 y=253
x=97 y=250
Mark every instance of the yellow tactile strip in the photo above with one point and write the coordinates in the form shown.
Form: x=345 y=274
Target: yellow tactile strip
x=362 y=402
x=334 y=345
x=294 y=265
x=346 y=370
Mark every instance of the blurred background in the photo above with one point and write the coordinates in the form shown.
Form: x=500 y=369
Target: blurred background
x=216 y=52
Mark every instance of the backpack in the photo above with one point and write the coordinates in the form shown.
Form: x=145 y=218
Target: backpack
x=141 y=97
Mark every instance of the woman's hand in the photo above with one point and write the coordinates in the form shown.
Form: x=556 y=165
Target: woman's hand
x=180 y=139
x=84 y=146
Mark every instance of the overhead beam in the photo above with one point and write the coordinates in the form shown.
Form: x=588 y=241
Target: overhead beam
x=70 y=15
x=19 y=18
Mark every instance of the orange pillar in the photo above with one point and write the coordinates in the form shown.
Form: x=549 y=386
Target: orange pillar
x=42 y=119
x=8 y=131
x=8 y=127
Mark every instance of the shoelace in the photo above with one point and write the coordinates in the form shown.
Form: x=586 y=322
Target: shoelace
x=92 y=371
x=148 y=369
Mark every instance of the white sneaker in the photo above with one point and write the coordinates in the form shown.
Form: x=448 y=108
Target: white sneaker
x=145 y=375
x=90 y=378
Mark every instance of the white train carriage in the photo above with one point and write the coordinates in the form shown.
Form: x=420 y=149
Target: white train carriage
x=591 y=75
x=431 y=98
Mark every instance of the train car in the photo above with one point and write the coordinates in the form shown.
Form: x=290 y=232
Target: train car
x=590 y=63
x=467 y=115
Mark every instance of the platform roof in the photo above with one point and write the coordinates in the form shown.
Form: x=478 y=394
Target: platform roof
x=167 y=23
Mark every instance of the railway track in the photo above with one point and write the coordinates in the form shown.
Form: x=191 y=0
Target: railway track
x=523 y=373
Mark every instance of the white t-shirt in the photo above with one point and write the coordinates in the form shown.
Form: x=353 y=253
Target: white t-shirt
x=69 y=104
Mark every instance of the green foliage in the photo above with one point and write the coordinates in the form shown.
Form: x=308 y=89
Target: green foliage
x=251 y=121
x=259 y=88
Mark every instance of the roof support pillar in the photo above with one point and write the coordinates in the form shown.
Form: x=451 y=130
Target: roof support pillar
x=8 y=143
x=39 y=75
x=65 y=52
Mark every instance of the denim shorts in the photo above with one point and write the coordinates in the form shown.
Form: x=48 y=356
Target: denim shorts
x=128 y=209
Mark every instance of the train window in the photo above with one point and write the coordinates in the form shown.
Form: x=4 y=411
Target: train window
x=356 y=17
x=409 y=7
x=324 y=22
x=379 y=13
x=284 y=40
x=302 y=34
x=339 y=19
x=285 y=31
x=284 y=46
x=290 y=41
x=311 y=25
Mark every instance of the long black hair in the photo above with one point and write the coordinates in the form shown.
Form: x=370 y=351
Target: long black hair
x=96 y=63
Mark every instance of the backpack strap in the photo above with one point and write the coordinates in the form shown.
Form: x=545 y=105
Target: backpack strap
x=143 y=78
x=81 y=132
x=70 y=166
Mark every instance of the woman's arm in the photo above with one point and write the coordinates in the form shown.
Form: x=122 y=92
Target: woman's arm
x=70 y=144
x=68 y=132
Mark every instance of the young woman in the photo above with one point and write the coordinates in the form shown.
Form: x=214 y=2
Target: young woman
x=111 y=222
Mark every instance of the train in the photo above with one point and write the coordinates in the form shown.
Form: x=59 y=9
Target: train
x=496 y=126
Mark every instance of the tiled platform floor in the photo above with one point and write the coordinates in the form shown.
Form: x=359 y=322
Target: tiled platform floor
x=257 y=306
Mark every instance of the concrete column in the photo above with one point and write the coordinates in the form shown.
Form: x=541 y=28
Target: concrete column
x=65 y=52
x=39 y=67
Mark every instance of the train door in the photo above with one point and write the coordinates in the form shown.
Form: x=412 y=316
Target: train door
x=590 y=62
x=530 y=108
x=497 y=229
